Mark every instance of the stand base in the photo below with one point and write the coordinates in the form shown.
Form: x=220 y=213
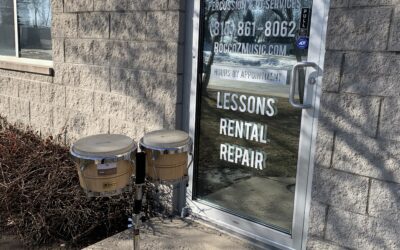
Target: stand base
x=169 y=198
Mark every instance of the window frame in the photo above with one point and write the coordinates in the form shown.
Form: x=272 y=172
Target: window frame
x=17 y=63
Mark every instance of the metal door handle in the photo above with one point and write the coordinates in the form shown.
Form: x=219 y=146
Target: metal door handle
x=293 y=84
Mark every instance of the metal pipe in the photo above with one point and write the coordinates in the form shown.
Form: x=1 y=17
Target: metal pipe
x=139 y=182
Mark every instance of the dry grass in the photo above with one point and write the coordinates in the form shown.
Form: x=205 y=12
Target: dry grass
x=40 y=197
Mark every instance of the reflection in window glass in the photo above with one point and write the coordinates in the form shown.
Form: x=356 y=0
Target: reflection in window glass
x=34 y=20
x=7 y=41
x=248 y=140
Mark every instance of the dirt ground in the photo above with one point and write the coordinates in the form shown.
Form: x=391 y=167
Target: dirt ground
x=158 y=234
x=10 y=242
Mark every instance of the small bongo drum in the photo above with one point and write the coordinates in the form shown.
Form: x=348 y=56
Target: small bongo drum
x=166 y=154
x=105 y=163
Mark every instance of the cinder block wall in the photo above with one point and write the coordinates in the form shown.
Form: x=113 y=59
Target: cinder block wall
x=356 y=186
x=118 y=69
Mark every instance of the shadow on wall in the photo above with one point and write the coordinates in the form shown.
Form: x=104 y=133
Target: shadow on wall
x=348 y=173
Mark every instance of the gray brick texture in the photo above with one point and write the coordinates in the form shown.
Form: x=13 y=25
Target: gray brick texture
x=117 y=69
x=364 y=29
x=357 y=176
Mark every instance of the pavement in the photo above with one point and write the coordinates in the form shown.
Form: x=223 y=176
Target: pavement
x=176 y=233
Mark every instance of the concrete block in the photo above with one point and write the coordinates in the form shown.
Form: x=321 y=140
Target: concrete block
x=129 y=129
x=138 y=56
x=29 y=90
x=46 y=132
x=121 y=78
x=77 y=126
x=98 y=125
x=386 y=233
x=324 y=148
x=349 y=229
x=95 y=78
x=339 y=3
x=350 y=113
x=111 y=5
x=15 y=75
x=332 y=70
x=78 y=5
x=362 y=232
x=163 y=26
x=121 y=55
x=144 y=113
x=118 y=80
x=371 y=74
x=359 y=3
x=367 y=156
x=342 y=190
x=151 y=127
x=319 y=244
x=64 y=25
x=327 y=113
x=66 y=74
x=394 y=39
x=148 y=5
x=52 y=94
x=384 y=200
x=61 y=117
x=79 y=51
x=367 y=29
x=41 y=115
x=57 y=6
x=128 y=26
x=19 y=111
x=174 y=60
x=371 y=84
x=80 y=100
x=171 y=117
x=160 y=87
x=82 y=124
x=102 y=52
x=107 y=104
x=389 y=118
x=317 y=220
x=94 y=25
x=4 y=106
x=58 y=49
x=176 y=4
x=9 y=86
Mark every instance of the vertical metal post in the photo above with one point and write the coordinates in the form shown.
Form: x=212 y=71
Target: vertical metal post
x=16 y=28
x=136 y=210
x=139 y=182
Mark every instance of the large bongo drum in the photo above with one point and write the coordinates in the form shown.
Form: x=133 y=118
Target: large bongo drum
x=105 y=163
x=166 y=154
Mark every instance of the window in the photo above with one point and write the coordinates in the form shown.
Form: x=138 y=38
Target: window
x=25 y=29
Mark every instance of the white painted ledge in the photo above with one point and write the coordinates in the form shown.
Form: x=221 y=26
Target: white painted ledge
x=35 y=66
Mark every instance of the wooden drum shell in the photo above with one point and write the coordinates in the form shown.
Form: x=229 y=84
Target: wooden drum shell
x=91 y=181
x=105 y=163
x=166 y=167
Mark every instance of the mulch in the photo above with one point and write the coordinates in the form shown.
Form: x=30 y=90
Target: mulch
x=40 y=198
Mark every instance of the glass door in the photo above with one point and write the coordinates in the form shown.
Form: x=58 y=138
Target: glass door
x=255 y=92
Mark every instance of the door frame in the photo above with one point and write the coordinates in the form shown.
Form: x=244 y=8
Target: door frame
x=264 y=236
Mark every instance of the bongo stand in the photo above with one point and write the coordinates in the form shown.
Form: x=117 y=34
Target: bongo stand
x=179 y=187
x=137 y=207
x=102 y=158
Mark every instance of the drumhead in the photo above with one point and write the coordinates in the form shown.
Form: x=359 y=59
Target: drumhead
x=166 y=139
x=103 y=145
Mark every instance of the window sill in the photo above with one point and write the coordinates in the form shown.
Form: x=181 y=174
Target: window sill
x=27 y=65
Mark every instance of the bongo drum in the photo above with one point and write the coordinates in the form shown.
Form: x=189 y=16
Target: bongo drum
x=166 y=154
x=105 y=163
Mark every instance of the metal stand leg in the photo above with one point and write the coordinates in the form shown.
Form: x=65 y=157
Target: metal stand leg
x=136 y=210
x=139 y=182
